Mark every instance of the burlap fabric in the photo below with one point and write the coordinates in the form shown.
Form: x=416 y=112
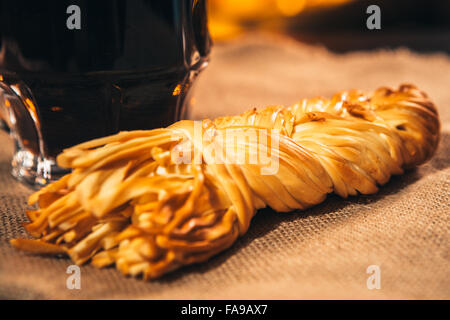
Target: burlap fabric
x=320 y=253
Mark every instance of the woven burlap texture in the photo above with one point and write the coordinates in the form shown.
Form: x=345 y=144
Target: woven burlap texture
x=323 y=252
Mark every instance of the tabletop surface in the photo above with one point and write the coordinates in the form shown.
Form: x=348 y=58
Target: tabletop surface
x=323 y=252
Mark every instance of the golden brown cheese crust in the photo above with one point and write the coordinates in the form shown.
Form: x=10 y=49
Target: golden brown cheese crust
x=129 y=202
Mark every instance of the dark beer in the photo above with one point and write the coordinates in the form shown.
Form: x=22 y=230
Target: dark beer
x=129 y=66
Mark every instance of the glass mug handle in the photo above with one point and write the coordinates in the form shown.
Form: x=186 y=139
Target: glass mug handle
x=199 y=26
x=19 y=115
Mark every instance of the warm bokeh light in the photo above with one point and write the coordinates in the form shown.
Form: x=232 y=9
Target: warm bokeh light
x=228 y=18
x=290 y=8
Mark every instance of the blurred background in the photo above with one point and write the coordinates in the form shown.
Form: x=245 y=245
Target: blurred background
x=339 y=25
x=276 y=51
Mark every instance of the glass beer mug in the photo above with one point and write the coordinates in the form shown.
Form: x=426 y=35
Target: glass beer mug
x=75 y=70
